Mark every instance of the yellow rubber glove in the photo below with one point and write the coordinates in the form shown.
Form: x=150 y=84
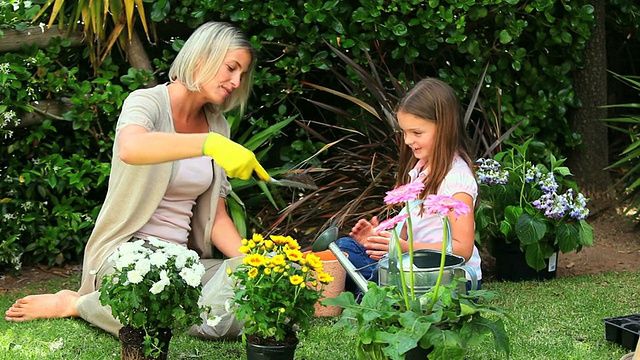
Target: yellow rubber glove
x=235 y=159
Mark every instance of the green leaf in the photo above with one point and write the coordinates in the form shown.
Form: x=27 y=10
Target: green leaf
x=529 y=229
x=535 y=255
x=263 y=136
x=586 y=233
x=447 y=344
x=567 y=237
x=505 y=37
x=465 y=309
x=238 y=214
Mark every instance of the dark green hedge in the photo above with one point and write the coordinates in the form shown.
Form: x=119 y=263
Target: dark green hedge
x=53 y=175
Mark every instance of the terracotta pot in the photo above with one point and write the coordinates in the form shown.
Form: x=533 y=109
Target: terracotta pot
x=334 y=288
x=131 y=347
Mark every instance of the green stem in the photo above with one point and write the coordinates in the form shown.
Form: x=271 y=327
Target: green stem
x=403 y=281
x=445 y=228
x=410 y=239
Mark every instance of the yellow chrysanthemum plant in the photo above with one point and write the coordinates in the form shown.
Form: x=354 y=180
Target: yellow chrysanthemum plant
x=276 y=288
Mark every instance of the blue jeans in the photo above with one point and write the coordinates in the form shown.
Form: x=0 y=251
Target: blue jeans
x=368 y=267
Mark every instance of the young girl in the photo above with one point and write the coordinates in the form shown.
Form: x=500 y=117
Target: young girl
x=437 y=155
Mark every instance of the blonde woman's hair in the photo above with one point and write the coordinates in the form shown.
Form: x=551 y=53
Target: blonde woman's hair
x=201 y=57
x=433 y=100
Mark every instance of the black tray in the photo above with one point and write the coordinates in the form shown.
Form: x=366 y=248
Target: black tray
x=623 y=330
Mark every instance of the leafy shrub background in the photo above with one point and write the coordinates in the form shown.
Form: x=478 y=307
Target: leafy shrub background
x=53 y=173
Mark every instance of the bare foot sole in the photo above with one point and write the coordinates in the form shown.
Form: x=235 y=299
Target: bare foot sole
x=32 y=307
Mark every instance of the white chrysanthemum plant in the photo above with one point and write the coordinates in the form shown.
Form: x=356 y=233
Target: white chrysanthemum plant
x=155 y=286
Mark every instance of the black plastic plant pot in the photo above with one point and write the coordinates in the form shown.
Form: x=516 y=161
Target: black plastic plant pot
x=623 y=330
x=511 y=265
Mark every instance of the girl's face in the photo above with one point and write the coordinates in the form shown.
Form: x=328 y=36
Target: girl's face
x=231 y=73
x=419 y=134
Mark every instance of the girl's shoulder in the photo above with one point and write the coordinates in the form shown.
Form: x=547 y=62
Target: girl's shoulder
x=459 y=179
x=459 y=166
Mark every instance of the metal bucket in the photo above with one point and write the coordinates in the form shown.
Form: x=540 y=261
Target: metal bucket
x=426 y=267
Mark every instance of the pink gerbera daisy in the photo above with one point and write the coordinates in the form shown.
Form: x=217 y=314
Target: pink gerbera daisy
x=389 y=223
x=443 y=205
x=404 y=193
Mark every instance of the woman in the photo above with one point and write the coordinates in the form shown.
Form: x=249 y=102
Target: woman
x=163 y=181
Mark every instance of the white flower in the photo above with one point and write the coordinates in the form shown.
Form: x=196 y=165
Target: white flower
x=175 y=250
x=193 y=256
x=143 y=266
x=228 y=305
x=154 y=241
x=133 y=245
x=158 y=286
x=213 y=322
x=5 y=68
x=191 y=276
x=158 y=259
x=198 y=268
x=124 y=260
x=181 y=261
x=134 y=277
x=138 y=264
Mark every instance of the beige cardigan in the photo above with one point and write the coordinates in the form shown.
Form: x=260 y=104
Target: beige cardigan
x=135 y=191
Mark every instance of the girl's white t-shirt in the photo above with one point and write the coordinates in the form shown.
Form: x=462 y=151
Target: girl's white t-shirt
x=427 y=228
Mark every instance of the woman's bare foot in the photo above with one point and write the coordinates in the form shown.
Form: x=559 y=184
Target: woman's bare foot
x=58 y=305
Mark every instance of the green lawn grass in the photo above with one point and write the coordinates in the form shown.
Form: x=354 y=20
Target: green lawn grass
x=554 y=320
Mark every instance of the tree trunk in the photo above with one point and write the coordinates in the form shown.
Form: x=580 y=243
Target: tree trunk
x=138 y=58
x=43 y=109
x=588 y=161
x=13 y=40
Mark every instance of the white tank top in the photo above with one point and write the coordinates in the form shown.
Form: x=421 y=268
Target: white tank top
x=171 y=220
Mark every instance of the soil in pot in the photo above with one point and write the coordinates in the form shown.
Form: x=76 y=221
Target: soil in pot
x=131 y=347
x=418 y=353
x=269 y=349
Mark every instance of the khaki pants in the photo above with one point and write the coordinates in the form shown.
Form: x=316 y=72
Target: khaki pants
x=91 y=310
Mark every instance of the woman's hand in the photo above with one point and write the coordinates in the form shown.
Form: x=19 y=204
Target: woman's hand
x=235 y=159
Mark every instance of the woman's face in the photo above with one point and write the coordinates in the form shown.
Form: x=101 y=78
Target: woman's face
x=235 y=64
x=419 y=134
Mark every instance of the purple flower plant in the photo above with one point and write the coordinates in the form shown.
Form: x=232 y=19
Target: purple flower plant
x=548 y=183
x=555 y=206
x=490 y=173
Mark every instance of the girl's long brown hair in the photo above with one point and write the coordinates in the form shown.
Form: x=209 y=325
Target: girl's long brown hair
x=433 y=100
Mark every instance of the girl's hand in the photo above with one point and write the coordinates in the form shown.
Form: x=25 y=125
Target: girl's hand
x=363 y=229
x=378 y=245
